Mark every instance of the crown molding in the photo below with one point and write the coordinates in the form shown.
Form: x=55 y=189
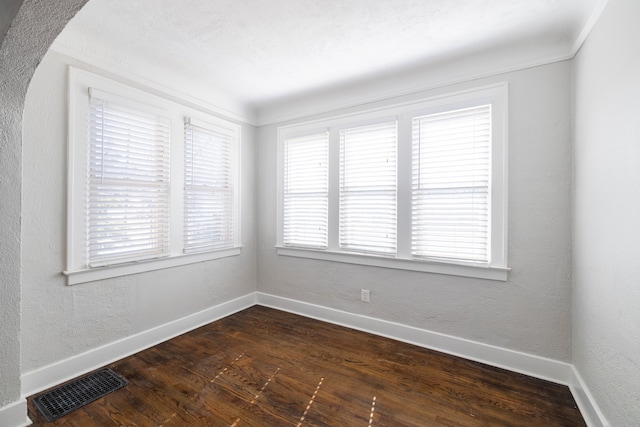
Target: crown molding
x=294 y=113
x=239 y=113
x=588 y=26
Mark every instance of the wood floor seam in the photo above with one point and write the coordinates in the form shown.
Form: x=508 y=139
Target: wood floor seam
x=265 y=367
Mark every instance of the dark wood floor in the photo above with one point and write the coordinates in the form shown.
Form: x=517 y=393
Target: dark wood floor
x=263 y=367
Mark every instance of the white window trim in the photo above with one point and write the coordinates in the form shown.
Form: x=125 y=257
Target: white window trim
x=80 y=83
x=318 y=195
x=99 y=273
x=497 y=95
x=232 y=131
x=462 y=270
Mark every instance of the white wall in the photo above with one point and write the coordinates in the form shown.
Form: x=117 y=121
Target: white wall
x=60 y=321
x=530 y=312
x=20 y=53
x=606 y=306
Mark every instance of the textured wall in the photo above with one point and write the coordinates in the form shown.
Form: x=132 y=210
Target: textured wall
x=32 y=31
x=69 y=320
x=606 y=318
x=8 y=11
x=530 y=312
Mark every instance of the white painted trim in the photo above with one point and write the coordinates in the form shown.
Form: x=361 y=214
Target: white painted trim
x=99 y=273
x=588 y=27
x=591 y=413
x=404 y=112
x=82 y=84
x=64 y=370
x=15 y=414
x=528 y=364
x=245 y=116
x=264 y=118
x=462 y=270
x=539 y=367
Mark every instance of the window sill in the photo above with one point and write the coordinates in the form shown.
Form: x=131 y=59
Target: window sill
x=463 y=270
x=92 y=274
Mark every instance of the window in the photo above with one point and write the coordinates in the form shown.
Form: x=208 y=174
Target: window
x=450 y=191
x=419 y=186
x=152 y=183
x=127 y=206
x=209 y=188
x=368 y=189
x=306 y=191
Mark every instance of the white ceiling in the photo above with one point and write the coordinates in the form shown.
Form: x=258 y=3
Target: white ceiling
x=258 y=51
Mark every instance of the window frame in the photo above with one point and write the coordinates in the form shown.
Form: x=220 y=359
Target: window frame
x=103 y=153
x=496 y=269
x=320 y=194
x=429 y=183
x=81 y=83
x=345 y=193
x=225 y=130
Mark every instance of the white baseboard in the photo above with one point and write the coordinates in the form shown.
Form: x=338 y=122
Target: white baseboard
x=528 y=364
x=15 y=414
x=535 y=366
x=64 y=370
x=587 y=404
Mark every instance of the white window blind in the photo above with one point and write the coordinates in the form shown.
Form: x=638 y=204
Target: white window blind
x=451 y=178
x=209 y=193
x=128 y=184
x=368 y=206
x=306 y=190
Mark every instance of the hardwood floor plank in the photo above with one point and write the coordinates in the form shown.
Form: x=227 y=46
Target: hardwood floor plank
x=263 y=367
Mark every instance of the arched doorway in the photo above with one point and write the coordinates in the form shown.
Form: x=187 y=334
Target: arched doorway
x=32 y=31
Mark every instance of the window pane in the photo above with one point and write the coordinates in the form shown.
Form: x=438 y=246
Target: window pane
x=128 y=184
x=451 y=174
x=368 y=188
x=209 y=192
x=306 y=189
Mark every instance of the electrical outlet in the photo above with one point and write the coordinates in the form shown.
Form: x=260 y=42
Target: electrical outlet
x=365 y=295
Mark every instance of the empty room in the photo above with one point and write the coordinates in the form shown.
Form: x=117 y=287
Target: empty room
x=320 y=212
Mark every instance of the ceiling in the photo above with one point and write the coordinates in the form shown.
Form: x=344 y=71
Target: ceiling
x=259 y=51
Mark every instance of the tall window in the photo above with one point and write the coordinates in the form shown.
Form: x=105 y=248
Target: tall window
x=420 y=186
x=146 y=190
x=368 y=188
x=306 y=185
x=450 y=192
x=209 y=188
x=128 y=184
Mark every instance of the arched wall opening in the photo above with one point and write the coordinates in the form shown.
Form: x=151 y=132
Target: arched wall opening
x=31 y=33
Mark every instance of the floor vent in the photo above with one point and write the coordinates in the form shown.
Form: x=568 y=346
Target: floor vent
x=69 y=397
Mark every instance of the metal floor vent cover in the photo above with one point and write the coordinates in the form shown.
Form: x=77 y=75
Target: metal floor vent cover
x=69 y=397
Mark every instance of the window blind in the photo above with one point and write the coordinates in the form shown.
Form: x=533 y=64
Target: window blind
x=368 y=188
x=209 y=193
x=306 y=190
x=450 y=191
x=128 y=184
